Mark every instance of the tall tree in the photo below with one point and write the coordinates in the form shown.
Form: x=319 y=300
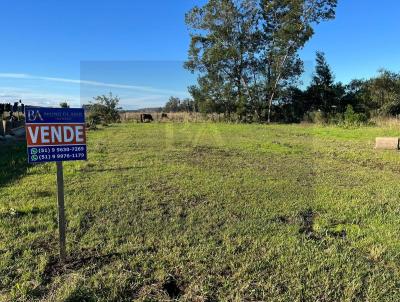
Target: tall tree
x=322 y=90
x=287 y=26
x=222 y=36
x=173 y=104
x=246 y=51
x=358 y=96
x=385 y=92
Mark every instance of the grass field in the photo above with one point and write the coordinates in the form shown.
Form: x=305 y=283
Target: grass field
x=207 y=212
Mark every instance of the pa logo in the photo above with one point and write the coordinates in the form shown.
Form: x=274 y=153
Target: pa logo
x=34 y=115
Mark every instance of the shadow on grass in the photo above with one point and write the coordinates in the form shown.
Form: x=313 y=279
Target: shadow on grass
x=13 y=162
x=89 y=263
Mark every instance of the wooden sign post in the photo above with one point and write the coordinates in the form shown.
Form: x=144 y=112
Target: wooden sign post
x=61 y=211
x=56 y=135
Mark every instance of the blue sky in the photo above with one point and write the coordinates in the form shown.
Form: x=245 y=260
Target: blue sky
x=72 y=50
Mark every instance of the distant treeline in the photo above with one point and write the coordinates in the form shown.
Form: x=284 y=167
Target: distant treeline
x=324 y=100
x=246 y=55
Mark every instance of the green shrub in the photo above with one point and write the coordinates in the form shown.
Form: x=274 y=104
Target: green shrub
x=93 y=120
x=104 y=110
x=351 y=118
x=316 y=117
x=335 y=118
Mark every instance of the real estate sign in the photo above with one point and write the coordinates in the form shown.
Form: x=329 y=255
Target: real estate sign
x=55 y=134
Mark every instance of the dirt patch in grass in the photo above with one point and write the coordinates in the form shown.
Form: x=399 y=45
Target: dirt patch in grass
x=172 y=288
x=307 y=224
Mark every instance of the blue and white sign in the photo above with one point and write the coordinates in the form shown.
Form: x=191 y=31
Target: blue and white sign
x=55 y=134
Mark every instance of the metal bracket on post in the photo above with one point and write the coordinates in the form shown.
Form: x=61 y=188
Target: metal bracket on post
x=61 y=212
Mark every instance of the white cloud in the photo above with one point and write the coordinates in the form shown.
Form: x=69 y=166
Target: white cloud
x=14 y=75
x=44 y=94
x=93 y=83
x=12 y=94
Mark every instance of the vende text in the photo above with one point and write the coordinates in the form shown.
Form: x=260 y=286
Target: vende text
x=55 y=134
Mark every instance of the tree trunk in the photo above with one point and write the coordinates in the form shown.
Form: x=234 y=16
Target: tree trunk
x=270 y=106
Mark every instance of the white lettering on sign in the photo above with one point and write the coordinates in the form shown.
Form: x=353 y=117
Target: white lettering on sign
x=34 y=136
x=68 y=134
x=79 y=134
x=48 y=128
x=44 y=131
x=55 y=134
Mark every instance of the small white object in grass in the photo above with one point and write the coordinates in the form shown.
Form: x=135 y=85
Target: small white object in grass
x=387 y=143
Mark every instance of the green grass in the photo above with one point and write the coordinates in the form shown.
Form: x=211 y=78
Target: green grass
x=207 y=212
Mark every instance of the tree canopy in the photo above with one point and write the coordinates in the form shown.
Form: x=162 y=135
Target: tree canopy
x=246 y=56
x=246 y=52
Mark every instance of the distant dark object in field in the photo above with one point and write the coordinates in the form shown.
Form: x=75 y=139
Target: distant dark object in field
x=164 y=115
x=146 y=118
x=387 y=143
